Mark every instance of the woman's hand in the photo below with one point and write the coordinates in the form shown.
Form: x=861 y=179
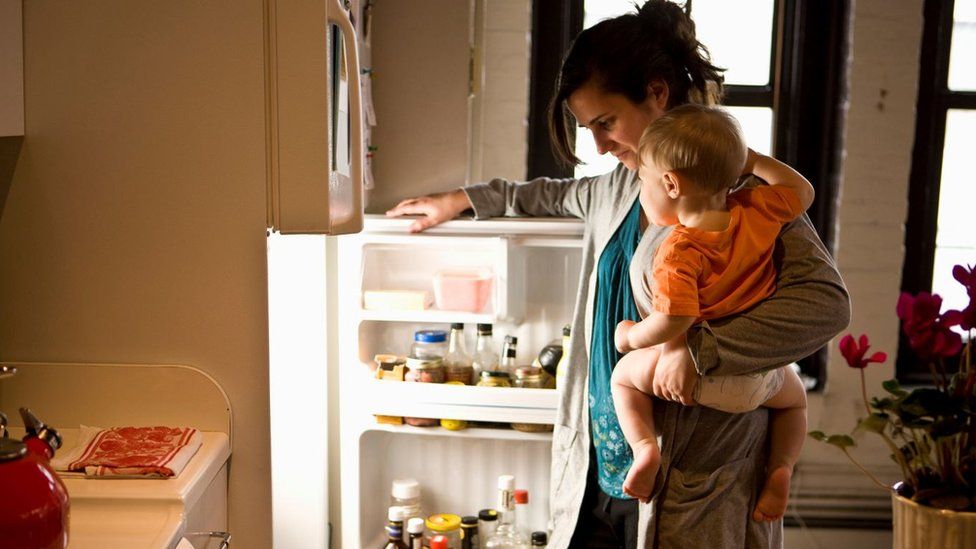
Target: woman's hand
x=435 y=208
x=620 y=336
x=675 y=376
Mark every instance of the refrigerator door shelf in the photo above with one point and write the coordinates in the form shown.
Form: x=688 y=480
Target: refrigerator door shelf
x=469 y=433
x=461 y=402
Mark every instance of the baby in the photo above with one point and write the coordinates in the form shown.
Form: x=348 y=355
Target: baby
x=717 y=261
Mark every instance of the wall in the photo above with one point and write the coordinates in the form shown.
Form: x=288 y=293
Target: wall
x=134 y=230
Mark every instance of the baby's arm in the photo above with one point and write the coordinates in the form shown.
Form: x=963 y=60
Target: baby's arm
x=656 y=329
x=775 y=172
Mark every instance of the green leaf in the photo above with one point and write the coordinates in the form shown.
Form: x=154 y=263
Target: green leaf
x=874 y=423
x=819 y=435
x=928 y=402
x=841 y=441
x=893 y=387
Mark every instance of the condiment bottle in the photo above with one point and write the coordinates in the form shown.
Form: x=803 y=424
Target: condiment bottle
x=424 y=370
x=521 y=512
x=469 y=532
x=508 y=355
x=429 y=344
x=394 y=529
x=415 y=529
x=540 y=539
x=487 y=521
x=439 y=542
x=405 y=493
x=506 y=534
x=494 y=379
x=457 y=362
x=485 y=357
x=530 y=377
x=447 y=525
x=563 y=364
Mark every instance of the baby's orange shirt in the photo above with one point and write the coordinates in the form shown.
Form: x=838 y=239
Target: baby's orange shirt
x=711 y=274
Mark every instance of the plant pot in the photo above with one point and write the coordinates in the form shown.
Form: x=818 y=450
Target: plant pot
x=918 y=526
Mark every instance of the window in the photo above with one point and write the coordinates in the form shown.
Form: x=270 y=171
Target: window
x=941 y=230
x=780 y=54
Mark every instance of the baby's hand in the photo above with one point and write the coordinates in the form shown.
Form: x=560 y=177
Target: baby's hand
x=620 y=336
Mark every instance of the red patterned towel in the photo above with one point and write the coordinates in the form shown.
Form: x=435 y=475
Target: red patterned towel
x=132 y=451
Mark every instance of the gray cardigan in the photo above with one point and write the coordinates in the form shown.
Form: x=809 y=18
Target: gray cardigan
x=712 y=462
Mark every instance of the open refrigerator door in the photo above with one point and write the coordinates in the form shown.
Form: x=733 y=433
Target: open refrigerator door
x=534 y=269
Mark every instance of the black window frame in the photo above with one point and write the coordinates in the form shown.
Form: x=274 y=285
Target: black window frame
x=934 y=101
x=807 y=84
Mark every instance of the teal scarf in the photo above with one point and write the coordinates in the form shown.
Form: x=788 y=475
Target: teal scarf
x=614 y=302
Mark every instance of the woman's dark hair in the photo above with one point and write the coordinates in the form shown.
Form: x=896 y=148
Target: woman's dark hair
x=625 y=54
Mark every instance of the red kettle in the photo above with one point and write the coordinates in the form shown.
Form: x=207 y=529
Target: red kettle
x=34 y=504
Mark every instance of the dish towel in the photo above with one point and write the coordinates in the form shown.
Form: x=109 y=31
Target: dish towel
x=141 y=452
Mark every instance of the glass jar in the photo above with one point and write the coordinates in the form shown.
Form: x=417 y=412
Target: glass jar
x=424 y=370
x=447 y=525
x=530 y=377
x=494 y=379
x=429 y=344
x=405 y=494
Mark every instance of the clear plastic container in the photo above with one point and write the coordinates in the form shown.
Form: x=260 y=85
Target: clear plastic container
x=429 y=344
x=462 y=289
x=405 y=493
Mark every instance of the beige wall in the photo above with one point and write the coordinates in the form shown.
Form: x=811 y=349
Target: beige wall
x=134 y=230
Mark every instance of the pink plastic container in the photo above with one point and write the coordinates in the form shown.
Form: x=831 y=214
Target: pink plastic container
x=462 y=289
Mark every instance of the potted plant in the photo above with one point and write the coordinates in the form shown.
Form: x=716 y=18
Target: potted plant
x=931 y=431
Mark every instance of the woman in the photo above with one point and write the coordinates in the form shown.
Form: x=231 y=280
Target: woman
x=618 y=76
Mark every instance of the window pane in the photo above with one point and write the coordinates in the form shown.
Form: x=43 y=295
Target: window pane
x=756 y=122
x=955 y=241
x=962 y=70
x=738 y=35
x=719 y=25
x=757 y=126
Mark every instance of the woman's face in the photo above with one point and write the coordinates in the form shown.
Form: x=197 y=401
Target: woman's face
x=617 y=122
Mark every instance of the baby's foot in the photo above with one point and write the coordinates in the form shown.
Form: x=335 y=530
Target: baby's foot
x=775 y=495
x=640 y=479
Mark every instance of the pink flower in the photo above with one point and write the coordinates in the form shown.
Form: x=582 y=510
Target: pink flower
x=966 y=276
x=854 y=352
x=929 y=333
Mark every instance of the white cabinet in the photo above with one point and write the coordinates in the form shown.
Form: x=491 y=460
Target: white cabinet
x=11 y=68
x=536 y=265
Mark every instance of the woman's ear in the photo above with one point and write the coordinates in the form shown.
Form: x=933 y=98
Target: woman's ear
x=672 y=184
x=659 y=93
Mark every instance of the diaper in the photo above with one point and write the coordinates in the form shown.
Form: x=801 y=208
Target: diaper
x=738 y=394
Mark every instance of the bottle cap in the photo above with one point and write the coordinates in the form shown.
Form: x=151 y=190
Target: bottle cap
x=511 y=339
x=484 y=328
x=444 y=522
x=405 y=488
x=457 y=325
x=488 y=515
x=438 y=542
x=506 y=482
x=469 y=521
x=430 y=336
x=396 y=514
x=522 y=496
x=415 y=525
x=540 y=538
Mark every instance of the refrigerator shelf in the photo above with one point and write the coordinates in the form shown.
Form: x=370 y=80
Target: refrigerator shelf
x=472 y=403
x=469 y=433
x=427 y=316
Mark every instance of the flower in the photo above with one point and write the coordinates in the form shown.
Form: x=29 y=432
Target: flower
x=854 y=352
x=930 y=431
x=929 y=334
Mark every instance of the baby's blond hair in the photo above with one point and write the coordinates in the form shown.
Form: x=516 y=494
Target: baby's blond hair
x=702 y=143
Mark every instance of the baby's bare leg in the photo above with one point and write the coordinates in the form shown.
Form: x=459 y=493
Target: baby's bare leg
x=788 y=430
x=631 y=388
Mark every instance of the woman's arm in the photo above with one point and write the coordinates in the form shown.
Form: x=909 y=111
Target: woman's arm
x=810 y=306
x=500 y=197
